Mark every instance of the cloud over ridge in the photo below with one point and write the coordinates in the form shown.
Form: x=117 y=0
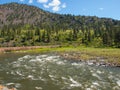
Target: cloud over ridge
x=55 y=5
x=42 y=1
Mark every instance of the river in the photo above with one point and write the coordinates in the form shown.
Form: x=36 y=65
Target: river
x=52 y=72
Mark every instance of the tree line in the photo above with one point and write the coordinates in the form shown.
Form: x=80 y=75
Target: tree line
x=30 y=35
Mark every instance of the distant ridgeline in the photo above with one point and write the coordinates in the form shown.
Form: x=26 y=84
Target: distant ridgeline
x=23 y=25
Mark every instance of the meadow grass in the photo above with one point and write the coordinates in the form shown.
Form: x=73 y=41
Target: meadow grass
x=111 y=55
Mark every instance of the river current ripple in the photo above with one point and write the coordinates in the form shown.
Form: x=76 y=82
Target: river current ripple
x=51 y=72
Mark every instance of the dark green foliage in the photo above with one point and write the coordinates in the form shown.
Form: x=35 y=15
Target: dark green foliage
x=117 y=38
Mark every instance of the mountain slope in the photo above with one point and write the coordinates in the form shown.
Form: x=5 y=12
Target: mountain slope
x=14 y=13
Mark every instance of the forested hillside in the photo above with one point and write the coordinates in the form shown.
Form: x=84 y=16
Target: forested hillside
x=23 y=25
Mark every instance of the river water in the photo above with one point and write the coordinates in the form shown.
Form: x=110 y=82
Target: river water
x=52 y=72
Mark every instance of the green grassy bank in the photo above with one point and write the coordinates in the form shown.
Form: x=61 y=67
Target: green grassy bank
x=109 y=55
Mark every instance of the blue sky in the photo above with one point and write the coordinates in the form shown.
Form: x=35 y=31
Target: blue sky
x=100 y=8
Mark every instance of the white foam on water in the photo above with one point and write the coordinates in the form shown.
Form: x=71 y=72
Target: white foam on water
x=74 y=83
x=33 y=70
x=77 y=64
x=64 y=78
x=116 y=88
x=49 y=58
x=99 y=72
x=38 y=88
x=95 y=75
x=111 y=77
x=92 y=71
x=12 y=72
x=53 y=77
x=17 y=85
x=39 y=60
x=88 y=89
x=36 y=60
x=55 y=60
x=19 y=73
x=118 y=82
x=40 y=78
x=8 y=84
x=42 y=56
x=89 y=63
x=16 y=65
x=94 y=86
x=32 y=60
x=111 y=72
x=30 y=77
x=20 y=59
x=14 y=62
x=27 y=67
x=26 y=57
x=44 y=59
x=95 y=83
x=60 y=63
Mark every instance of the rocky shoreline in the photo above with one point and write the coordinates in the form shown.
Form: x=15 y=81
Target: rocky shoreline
x=98 y=61
x=6 y=88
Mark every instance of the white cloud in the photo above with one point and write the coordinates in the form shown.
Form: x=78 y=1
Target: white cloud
x=101 y=9
x=56 y=8
x=42 y=1
x=30 y=1
x=21 y=0
x=46 y=6
x=64 y=5
x=55 y=5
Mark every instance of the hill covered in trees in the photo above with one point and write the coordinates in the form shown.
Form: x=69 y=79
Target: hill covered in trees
x=23 y=25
